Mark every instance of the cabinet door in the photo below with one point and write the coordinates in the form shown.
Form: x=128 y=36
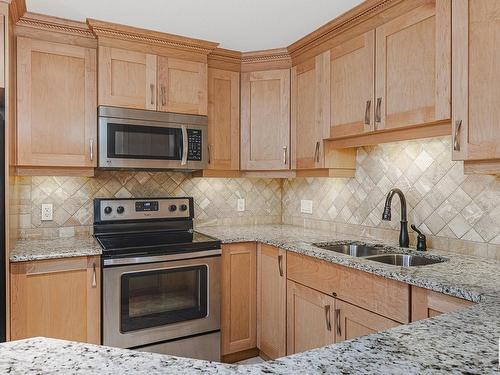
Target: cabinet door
x=2 y=51
x=127 y=78
x=271 y=301
x=56 y=298
x=427 y=303
x=56 y=104
x=238 y=307
x=265 y=120
x=223 y=120
x=182 y=86
x=352 y=75
x=310 y=85
x=352 y=321
x=310 y=321
x=476 y=79
x=413 y=59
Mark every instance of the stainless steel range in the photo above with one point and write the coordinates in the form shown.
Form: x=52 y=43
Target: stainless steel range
x=161 y=279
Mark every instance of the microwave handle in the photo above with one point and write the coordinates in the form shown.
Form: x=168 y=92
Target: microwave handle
x=184 y=145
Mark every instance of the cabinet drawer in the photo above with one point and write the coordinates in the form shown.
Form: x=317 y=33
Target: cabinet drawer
x=375 y=293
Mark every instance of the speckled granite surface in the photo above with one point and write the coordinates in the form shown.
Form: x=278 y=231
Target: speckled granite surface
x=465 y=341
x=25 y=250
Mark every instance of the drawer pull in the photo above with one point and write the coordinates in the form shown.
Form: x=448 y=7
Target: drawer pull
x=337 y=316
x=327 y=316
x=280 y=264
x=94 y=277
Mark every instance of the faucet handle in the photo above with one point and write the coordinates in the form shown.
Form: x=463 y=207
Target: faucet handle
x=421 y=239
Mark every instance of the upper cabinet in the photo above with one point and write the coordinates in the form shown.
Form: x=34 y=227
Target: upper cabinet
x=182 y=86
x=223 y=119
x=56 y=105
x=127 y=78
x=265 y=120
x=476 y=79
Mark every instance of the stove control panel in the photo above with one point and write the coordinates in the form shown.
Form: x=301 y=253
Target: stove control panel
x=137 y=209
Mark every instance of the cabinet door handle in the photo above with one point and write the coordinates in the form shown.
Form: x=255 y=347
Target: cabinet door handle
x=316 y=152
x=367 y=112
x=327 y=317
x=91 y=149
x=378 y=115
x=280 y=264
x=337 y=316
x=209 y=152
x=152 y=87
x=94 y=278
x=456 y=141
x=163 y=98
x=284 y=154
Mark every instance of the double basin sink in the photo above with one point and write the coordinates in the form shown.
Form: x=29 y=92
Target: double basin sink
x=377 y=253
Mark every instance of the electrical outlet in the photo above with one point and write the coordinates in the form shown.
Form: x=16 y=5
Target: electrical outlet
x=306 y=206
x=47 y=211
x=241 y=205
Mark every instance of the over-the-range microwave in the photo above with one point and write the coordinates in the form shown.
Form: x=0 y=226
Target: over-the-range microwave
x=142 y=139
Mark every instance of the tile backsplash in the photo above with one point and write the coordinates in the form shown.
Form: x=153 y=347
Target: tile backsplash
x=72 y=199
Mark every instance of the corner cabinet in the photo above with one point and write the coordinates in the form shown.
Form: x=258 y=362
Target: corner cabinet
x=476 y=78
x=56 y=105
x=265 y=120
x=427 y=303
x=57 y=298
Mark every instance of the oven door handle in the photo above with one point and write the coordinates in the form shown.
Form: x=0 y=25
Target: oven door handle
x=184 y=145
x=160 y=258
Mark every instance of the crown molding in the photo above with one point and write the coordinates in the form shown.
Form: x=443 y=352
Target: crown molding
x=277 y=58
x=222 y=58
x=54 y=24
x=134 y=34
x=17 y=9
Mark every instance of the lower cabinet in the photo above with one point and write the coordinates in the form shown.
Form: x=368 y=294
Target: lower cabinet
x=310 y=322
x=238 y=292
x=271 y=301
x=57 y=298
x=427 y=303
x=352 y=321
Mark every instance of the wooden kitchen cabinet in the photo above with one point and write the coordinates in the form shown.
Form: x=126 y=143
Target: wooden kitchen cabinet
x=182 y=86
x=265 y=120
x=56 y=104
x=271 y=301
x=238 y=293
x=413 y=62
x=127 y=78
x=57 y=298
x=310 y=318
x=427 y=303
x=223 y=119
x=352 y=321
x=476 y=78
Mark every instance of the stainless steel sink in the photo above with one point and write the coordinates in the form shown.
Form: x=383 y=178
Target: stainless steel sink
x=355 y=250
x=405 y=260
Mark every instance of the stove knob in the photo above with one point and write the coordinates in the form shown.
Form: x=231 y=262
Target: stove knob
x=183 y=207
x=172 y=208
x=107 y=210
x=120 y=210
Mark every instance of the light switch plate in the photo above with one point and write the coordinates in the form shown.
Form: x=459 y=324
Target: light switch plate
x=47 y=211
x=306 y=206
x=241 y=205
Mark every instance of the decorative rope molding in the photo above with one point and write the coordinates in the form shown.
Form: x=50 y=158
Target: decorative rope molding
x=52 y=24
x=280 y=54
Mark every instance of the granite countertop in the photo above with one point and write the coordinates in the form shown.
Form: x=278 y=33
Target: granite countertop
x=26 y=250
x=465 y=341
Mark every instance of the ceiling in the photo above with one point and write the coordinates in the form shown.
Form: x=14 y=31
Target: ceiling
x=244 y=25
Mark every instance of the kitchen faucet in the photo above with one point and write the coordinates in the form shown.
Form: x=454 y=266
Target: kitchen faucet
x=404 y=240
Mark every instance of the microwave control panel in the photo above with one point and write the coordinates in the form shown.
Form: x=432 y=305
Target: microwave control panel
x=194 y=144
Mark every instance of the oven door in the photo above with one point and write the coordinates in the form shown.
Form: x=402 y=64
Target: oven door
x=142 y=144
x=155 y=302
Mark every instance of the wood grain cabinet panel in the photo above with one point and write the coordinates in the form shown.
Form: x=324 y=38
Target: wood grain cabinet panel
x=238 y=306
x=413 y=62
x=127 y=78
x=223 y=119
x=427 y=303
x=265 y=120
x=476 y=79
x=352 y=321
x=310 y=316
x=56 y=104
x=56 y=298
x=271 y=301
x=2 y=51
x=182 y=86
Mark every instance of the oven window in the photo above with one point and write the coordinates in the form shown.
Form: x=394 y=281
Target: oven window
x=144 y=142
x=160 y=297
